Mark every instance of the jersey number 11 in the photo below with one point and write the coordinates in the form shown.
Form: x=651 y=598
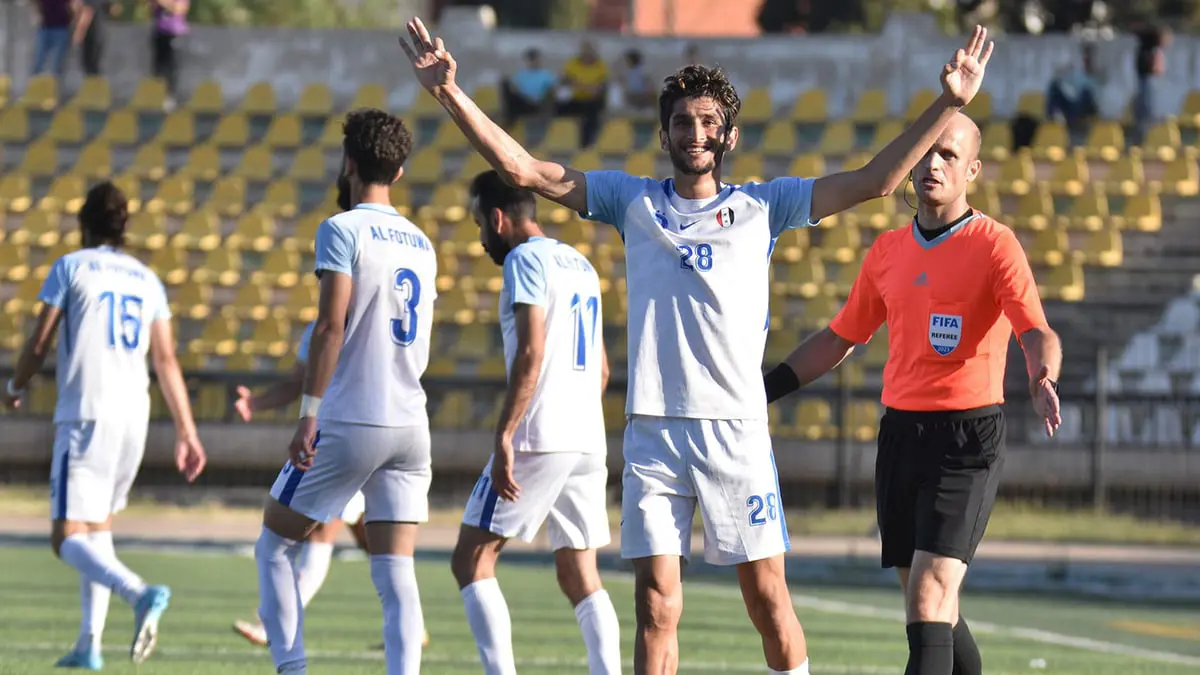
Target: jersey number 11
x=585 y=311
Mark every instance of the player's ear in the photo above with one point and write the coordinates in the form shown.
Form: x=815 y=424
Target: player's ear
x=399 y=172
x=664 y=140
x=973 y=170
x=731 y=142
x=501 y=223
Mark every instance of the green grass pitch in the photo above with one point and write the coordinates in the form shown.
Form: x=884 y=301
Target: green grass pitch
x=849 y=630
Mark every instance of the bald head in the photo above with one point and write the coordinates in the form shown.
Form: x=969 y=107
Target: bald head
x=970 y=139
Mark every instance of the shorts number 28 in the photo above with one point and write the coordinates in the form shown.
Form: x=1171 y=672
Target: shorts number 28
x=763 y=508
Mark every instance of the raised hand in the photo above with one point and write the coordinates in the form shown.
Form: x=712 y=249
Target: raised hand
x=244 y=405
x=433 y=65
x=963 y=75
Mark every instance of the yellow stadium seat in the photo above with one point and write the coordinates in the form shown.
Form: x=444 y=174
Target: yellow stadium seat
x=40 y=228
x=876 y=352
x=1143 y=211
x=486 y=274
x=146 y=230
x=440 y=367
x=575 y=232
x=1106 y=141
x=473 y=165
x=308 y=165
x=424 y=106
x=221 y=266
x=475 y=341
x=809 y=165
x=487 y=97
x=792 y=245
x=987 y=199
x=41 y=93
x=921 y=100
x=1104 y=248
x=1032 y=104
x=280 y=268
x=316 y=100
x=120 y=128
x=41 y=158
x=254 y=232
x=1163 y=141
x=614 y=412
x=95 y=160
x=871 y=108
x=281 y=198
x=845 y=276
x=193 y=301
x=877 y=214
x=228 y=196
x=301 y=302
x=747 y=167
x=1049 y=246
x=178 y=130
x=401 y=196
x=201 y=231
x=233 y=131
x=14 y=262
x=15 y=193
x=587 y=160
x=641 y=164
x=203 y=163
x=842 y=243
x=5 y=89
x=331 y=134
x=457 y=306
x=616 y=138
x=1181 y=176
x=1126 y=175
x=1070 y=174
x=997 y=141
x=805 y=277
x=285 y=131
x=1051 y=141
x=779 y=139
x=370 y=95
x=149 y=96
x=132 y=187
x=14 y=125
x=170 y=264
x=838 y=139
x=1017 y=174
x=448 y=203
x=257 y=163
x=757 y=106
x=65 y=195
x=218 y=336
x=93 y=94
x=448 y=137
x=886 y=132
x=814 y=419
x=1064 y=282
x=259 y=99
x=811 y=107
x=175 y=195
x=980 y=108
x=150 y=161
x=1189 y=112
x=424 y=167
x=454 y=412
x=66 y=126
x=270 y=337
x=1090 y=209
x=562 y=135
x=819 y=311
x=862 y=418
x=12 y=332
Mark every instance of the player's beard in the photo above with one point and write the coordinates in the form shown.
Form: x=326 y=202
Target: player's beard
x=689 y=165
x=497 y=249
x=343 y=195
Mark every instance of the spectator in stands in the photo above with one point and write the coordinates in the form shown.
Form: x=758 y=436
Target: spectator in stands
x=170 y=24
x=636 y=87
x=586 y=78
x=1072 y=95
x=90 y=17
x=53 y=36
x=1150 y=63
x=530 y=90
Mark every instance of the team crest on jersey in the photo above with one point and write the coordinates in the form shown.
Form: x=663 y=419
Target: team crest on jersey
x=945 y=332
x=661 y=219
x=725 y=217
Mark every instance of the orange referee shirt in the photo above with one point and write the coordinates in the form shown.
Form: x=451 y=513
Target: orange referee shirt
x=950 y=305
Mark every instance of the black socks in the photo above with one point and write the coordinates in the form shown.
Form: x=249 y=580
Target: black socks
x=967 y=660
x=930 y=649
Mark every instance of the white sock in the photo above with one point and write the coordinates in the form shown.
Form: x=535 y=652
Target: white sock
x=801 y=669
x=311 y=569
x=94 y=563
x=601 y=633
x=487 y=615
x=94 y=598
x=403 y=623
x=279 y=608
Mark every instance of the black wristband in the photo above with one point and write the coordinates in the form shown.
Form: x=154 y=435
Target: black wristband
x=780 y=382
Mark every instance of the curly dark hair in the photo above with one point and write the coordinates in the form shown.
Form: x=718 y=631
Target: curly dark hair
x=378 y=142
x=104 y=215
x=697 y=81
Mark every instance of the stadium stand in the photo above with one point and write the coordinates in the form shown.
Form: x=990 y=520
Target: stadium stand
x=228 y=195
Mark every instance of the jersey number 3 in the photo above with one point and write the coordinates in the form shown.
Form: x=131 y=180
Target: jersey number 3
x=124 y=319
x=408 y=285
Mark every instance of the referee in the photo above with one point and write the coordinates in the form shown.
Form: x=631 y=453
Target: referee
x=952 y=288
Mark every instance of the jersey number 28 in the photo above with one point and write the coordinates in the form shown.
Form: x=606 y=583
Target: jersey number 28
x=698 y=258
x=404 y=329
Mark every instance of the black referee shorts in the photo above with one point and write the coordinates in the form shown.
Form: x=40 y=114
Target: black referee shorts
x=936 y=476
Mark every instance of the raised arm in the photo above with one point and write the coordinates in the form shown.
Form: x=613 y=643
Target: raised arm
x=961 y=79
x=435 y=69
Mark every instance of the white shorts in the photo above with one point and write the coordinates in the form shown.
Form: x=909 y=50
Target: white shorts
x=354 y=509
x=564 y=489
x=727 y=466
x=390 y=465
x=95 y=462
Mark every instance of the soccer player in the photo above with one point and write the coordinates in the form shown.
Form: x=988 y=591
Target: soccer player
x=549 y=460
x=363 y=423
x=113 y=310
x=697 y=254
x=952 y=288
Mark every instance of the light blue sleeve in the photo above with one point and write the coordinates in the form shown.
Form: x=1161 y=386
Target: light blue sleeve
x=788 y=201
x=525 y=277
x=305 y=341
x=335 y=246
x=162 y=307
x=58 y=281
x=609 y=194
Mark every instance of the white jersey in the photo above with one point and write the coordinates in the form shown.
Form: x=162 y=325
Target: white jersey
x=109 y=300
x=698 y=279
x=389 y=320
x=305 y=341
x=565 y=413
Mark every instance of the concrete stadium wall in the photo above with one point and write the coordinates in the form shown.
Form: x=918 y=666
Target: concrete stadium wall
x=905 y=57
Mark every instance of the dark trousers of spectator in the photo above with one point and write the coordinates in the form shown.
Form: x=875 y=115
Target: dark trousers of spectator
x=1145 y=109
x=91 y=52
x=165 y=61
x=589 y=113
x=50 y=49
x=1077 y=112
x=516 y=105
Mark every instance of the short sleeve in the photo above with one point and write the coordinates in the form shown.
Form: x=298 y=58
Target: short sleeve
x=162 y=307
x=58 y=281
x=525 y=278
x=1016 y=289
x=864 y=311
x=788 y=201
x=335 y=248
x=305 y=341
x=609 y=194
